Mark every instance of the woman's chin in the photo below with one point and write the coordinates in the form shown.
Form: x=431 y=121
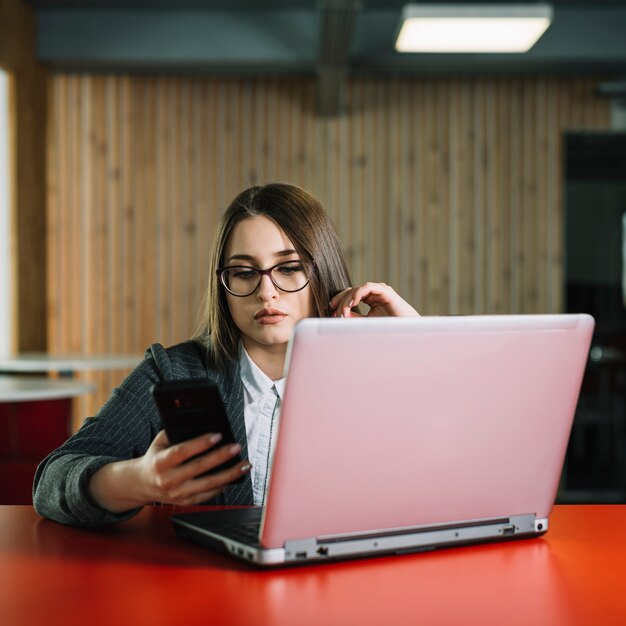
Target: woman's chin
x=272 y=336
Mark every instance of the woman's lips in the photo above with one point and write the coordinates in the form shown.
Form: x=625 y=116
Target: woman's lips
x=272 y=318
x=269 y=316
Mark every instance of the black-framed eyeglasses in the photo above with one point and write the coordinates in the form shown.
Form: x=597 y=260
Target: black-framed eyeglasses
x=243 y=280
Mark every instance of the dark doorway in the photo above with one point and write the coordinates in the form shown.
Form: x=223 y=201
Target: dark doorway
x=595 y=283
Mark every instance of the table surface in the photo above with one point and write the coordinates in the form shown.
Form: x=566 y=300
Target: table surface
x=33 y=388
x=139 y=573
x=45 y=362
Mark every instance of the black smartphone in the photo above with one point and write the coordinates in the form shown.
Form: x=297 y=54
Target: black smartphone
x=193 y=407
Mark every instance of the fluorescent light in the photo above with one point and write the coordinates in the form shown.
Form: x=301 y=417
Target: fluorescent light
x=472 y=28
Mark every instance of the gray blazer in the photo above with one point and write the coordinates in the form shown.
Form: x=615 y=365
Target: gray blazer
x=124 y=428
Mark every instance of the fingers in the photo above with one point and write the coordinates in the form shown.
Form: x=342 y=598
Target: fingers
x=380 y=297
x=207 y=487
x=180 y=452
x=369 y=293
x=179 y=471
x=202 y=488
x=338 y=298
x=205 y=462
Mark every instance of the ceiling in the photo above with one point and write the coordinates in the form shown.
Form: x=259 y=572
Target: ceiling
x=332 y=39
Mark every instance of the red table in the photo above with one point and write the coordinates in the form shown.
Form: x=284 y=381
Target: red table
x=140 y=573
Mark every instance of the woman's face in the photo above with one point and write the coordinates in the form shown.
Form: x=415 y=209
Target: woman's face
x=267 y=316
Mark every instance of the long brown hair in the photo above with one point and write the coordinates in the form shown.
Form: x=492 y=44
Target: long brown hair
x=302 y=218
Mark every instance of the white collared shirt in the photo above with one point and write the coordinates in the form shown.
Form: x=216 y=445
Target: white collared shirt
x=261 y=400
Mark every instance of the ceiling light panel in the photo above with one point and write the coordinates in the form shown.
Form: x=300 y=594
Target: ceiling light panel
x=472 y=28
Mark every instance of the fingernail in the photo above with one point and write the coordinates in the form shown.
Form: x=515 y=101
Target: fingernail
x=234 y=448
x=214 y=438
x=351 y=303
x=246 y=468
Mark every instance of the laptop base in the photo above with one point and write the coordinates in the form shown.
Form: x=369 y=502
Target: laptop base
x=218 y=530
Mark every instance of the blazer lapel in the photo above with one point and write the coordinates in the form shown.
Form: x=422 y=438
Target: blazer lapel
x=229 y=384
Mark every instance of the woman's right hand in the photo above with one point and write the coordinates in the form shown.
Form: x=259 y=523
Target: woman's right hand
x=171 y=478
x=166 y=474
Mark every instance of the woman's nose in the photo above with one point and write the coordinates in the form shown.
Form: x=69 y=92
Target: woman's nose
x=266 y=289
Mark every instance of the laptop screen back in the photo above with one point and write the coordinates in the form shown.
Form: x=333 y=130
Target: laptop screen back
x=398 y=422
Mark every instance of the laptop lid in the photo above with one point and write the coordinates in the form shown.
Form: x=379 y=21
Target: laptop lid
x=402 y=422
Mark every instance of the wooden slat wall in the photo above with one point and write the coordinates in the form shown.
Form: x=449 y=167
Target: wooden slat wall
x=447 y=189
x=27 y=110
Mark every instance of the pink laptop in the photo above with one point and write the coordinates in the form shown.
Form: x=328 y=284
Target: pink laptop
x=405 y=434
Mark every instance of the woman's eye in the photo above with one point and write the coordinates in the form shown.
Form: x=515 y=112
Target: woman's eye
x=290 y=269
x=244 y=274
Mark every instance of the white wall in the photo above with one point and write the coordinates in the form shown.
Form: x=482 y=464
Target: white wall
x=6 y=322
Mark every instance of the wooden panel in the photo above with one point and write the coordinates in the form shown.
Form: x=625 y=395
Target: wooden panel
x=447 y=189
x=27 y=112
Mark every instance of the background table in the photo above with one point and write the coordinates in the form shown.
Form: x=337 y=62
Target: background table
x=34 y=420
x=140 y=573
x=40 y=419
x=43 y=362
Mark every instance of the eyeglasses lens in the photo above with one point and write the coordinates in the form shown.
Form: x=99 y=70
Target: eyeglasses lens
x=242 y=281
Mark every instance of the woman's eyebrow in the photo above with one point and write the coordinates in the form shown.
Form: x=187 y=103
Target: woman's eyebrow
x=252 y=259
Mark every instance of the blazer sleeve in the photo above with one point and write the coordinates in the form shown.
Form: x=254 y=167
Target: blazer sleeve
x=123 y=429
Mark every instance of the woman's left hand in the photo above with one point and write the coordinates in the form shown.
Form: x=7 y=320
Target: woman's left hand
x=381 y=298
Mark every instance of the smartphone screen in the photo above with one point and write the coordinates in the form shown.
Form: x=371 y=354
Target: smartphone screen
x=190 y=408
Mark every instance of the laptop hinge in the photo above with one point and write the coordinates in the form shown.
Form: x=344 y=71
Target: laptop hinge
x=300 y=548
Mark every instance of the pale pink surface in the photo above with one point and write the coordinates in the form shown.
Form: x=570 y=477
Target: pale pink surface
x=405 y=421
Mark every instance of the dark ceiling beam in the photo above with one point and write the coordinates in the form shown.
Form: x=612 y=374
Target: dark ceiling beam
x=337 y=27
x=349 y=42
x=220 y=41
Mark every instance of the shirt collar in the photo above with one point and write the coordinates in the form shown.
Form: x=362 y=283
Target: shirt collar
x=257 y=382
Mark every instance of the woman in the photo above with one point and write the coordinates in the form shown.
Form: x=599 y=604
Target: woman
x=276 y=259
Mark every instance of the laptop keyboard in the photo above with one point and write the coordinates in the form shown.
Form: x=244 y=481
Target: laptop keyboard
x=242 y=525
x=247 y=532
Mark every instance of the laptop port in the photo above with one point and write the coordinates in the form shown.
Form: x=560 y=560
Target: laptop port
x=323 y=550
x=508 y=530
x=300 y=555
